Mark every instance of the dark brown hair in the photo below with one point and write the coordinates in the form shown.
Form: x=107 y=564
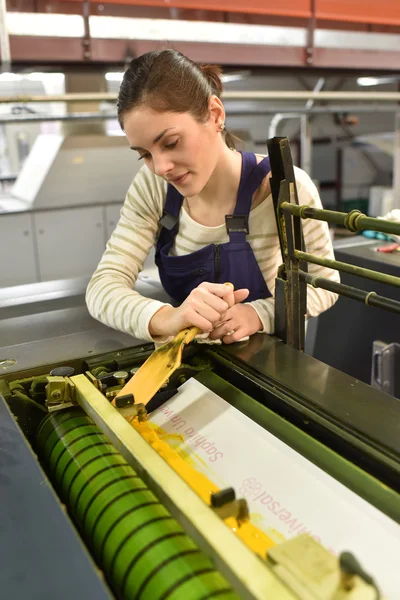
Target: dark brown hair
x=169 y=81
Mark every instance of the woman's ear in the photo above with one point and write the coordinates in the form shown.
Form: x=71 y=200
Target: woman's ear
x=216 y=111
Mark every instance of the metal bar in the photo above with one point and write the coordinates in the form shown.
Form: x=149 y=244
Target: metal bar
x=89 y=116
x=305 y=143
x=317 y=88
x=311 y=95
x=39 y=117
x=312 y=25
x=369 y=298
x=396 y=162
x=353 y=221
x=231 y=95
x=266 y=109
x=77 y=97
x=347 y=268
x=289 y=320
x=86 y=37
x=4 y=38
x=295 y=318
x=277 y=118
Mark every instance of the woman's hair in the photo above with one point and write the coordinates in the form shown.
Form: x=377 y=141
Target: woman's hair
x=169 y=81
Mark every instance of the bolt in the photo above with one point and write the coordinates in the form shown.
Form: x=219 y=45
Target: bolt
x=56 y=395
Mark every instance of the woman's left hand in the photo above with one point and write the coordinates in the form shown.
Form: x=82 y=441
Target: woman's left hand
x=241 y=320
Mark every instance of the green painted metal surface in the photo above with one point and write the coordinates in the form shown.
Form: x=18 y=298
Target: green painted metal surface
x=357 y=480
x=143 y=551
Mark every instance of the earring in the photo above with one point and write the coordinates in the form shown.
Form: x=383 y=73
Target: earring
x=222 y=126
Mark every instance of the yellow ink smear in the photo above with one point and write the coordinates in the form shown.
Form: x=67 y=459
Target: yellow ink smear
x=253 y=537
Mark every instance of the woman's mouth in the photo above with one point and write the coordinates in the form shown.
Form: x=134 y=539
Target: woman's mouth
x=180 y=180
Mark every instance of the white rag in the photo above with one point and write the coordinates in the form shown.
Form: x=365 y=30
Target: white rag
x=201 y=338
x=393 y=215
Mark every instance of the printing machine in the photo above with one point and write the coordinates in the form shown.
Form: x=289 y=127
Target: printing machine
x=321 y=444
x=257 y=472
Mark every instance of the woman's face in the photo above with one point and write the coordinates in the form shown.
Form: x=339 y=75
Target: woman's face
x=175 y=146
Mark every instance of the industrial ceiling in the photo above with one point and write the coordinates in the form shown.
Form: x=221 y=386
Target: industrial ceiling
x=316 y=34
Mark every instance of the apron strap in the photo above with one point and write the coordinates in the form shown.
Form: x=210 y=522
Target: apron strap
x=237 y=224
x=172 y=207
x=169 y=222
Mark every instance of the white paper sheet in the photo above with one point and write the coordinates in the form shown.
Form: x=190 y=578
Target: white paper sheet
x=287 y=495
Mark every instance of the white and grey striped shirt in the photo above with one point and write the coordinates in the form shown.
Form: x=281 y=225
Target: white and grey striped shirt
x=111 y=297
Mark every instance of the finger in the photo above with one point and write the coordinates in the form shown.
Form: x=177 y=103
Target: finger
x=214 y=302
x=222 y=330
x=219 y=289
x=205 y=311
x=199 y=321
x=240 y=295
x=236 y=336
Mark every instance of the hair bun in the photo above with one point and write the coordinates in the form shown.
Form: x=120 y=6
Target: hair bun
x=213 y=75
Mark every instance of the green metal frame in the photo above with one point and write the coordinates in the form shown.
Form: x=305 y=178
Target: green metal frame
x=290 y=305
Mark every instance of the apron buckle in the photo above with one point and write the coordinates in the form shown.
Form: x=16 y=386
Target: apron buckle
x=168 y=221
x=237 y=223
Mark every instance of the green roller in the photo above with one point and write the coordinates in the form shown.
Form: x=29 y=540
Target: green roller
x=143 y=551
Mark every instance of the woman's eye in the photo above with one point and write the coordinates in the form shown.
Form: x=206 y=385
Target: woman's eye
x=147 y=155
x=171 y=145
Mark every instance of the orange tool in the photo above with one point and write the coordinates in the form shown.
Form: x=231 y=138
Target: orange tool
x=159 y=367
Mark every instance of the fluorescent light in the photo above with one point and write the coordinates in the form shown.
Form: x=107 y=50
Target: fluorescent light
x=113 y=76
x=375 y=80
x=367 y=81
x=10 y=77
x=44 y=24
x=228 y=77
x=195 y=31
x=50 y=77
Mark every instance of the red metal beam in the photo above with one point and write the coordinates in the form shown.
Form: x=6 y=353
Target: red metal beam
x=339 y=17
x=384 y=12
x=37 y=50
x=291 y=8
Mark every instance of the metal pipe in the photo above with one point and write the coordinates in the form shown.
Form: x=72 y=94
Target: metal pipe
x=265 y=109
x=89 y=116
x=4 y=38
x=396 y=162
x=39 y=117
x=368 y=298
x=275 y=121
x=317 y=88
x=311 y=95
x=305 y=143
x=347 y=268
x=76 y=97
x=353 y=221
x=231 y=95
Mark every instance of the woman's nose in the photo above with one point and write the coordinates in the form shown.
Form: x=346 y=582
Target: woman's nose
x=162 y=165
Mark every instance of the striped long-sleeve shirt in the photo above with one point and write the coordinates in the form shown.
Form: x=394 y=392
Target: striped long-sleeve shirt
x=111 y=297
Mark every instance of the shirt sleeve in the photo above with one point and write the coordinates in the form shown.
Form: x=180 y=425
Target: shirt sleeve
x=111 y=296
x=317 y=241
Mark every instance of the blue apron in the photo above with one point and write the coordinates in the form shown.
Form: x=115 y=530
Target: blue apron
x=232 y=261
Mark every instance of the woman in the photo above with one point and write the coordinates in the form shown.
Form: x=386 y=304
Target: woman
x=173 y=118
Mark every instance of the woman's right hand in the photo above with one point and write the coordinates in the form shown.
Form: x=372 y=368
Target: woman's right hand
x=204 y=308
